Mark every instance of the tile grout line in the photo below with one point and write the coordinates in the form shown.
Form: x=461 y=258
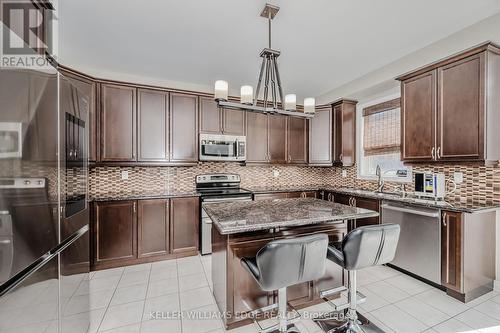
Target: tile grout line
x=106 y=311
x=145 y=298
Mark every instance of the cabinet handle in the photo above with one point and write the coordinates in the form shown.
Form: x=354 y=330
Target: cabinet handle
x=432 y=153
x=135 y=208
x=438 y=153
x=340 y=157
x=445 y=216
x=303 y=194
x=329 y=197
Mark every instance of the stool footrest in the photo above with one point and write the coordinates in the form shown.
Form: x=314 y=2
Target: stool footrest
x=328 y=292
x=272 y=328
x=360 y=298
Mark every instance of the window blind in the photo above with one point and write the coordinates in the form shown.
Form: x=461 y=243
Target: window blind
x=382 y=128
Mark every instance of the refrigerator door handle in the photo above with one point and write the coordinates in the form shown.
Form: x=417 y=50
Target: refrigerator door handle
x=28 y=271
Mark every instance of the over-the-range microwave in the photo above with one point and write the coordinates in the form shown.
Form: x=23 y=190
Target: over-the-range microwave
x=215 y=147
x=11 y=140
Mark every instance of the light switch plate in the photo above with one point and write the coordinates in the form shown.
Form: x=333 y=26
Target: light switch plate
x=344 y=173
x=276 y=173
x=458 y=177
x=124 y=175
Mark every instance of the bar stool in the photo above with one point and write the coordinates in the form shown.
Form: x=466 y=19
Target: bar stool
x=285 y=262
x=362 y=247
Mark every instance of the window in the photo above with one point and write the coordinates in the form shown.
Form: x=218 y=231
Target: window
x=380 y=129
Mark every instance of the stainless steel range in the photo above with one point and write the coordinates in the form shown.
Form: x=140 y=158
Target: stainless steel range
x=217 y=188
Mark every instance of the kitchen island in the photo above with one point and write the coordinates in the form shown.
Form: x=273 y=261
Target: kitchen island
x=242 y=228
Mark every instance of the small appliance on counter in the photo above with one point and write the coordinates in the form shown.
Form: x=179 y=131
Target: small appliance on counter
x=430 y=185
x=222 y=148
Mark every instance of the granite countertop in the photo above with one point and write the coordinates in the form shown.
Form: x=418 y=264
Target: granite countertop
x=144 y=196
x=286 y=188
x=247 y=216
x=464 y=207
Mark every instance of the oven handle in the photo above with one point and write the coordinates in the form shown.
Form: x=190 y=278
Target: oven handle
x=410 y=211
x=228 y=199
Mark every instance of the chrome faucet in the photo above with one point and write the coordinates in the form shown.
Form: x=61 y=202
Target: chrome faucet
x=380 y=181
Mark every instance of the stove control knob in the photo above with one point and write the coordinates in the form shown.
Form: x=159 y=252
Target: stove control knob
x=27 y=182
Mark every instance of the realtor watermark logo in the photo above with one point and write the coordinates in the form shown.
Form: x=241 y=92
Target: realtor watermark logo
x=25 y=35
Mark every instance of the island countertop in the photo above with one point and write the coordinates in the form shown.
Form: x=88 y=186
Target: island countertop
x=247 y=216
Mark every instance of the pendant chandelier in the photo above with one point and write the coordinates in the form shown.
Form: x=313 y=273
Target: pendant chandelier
x=274 y=102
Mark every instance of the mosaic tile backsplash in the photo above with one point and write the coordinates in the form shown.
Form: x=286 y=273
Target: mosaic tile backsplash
x=481 y=184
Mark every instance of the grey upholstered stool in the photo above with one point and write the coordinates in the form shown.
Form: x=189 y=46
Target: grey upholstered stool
x=363 y=247
x=285 y=262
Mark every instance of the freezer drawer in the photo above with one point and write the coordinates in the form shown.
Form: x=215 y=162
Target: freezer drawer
x=419 y=247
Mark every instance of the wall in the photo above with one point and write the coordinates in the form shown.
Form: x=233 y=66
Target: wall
x=383 y=78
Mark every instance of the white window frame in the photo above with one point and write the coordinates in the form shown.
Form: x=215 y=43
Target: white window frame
x=359 y=147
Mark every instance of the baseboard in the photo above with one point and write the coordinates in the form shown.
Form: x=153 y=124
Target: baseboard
x=496 y=285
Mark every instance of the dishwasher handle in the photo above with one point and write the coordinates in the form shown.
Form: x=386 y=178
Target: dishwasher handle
x=411 y=211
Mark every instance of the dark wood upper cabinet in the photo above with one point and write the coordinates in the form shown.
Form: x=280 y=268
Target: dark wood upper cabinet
x=152 y=126
x=451 y=250
x=210 y=116
x=184 y=224
x=461 y=109
x=320 y=137
x=183 y=128
x=115 y=231
x=233 y=122
x=118 y=123
x=418 y=117
x=153 y=228
x=297 y=140
x=277 y=139
x=257 y=137
x=449 y=108
x=344 y=127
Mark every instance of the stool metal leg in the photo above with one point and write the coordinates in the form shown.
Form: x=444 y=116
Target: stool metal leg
x=282 y=310
x=348 y=320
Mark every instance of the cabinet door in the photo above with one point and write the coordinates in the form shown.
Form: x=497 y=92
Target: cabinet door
x=297 y=140
x=348 y=157
x=371 y=204
x=418 y=117
x=115 y=230
x=342 y=199
x=210 y=116
x=337 y=134
x=461 y=109
x=257 y=138
x=233 y=122
x=320 y=138
x=183 y=128
x=184 y=224
x=152 y=124
x=153 y=228
x=451 y=250
x=277 y=139
x=118 y=123
x=271 y=196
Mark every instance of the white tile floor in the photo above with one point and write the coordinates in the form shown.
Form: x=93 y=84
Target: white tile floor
x=122 y=300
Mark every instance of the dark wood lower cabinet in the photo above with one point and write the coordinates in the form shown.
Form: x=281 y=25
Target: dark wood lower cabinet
x=184 y=228
x=115 y=232
x=153 y=228
x=451 y=250
x=132 y=232
x=371 y=204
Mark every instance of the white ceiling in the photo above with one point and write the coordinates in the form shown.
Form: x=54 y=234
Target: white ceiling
x=324 y=43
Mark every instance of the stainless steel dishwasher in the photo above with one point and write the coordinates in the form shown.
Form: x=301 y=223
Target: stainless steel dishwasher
x=419 y=247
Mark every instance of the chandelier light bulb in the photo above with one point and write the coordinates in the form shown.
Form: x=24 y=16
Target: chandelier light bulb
x=291 y=102
x=246 y=95
x=221 y=90
x=309 y=105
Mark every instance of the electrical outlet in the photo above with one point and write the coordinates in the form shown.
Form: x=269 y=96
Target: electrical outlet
x=344 y=173
x=124 y=175
x=458 y=177
x=276 y=173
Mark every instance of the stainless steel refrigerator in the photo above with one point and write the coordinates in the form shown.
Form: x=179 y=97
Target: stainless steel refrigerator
x=44 y=216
